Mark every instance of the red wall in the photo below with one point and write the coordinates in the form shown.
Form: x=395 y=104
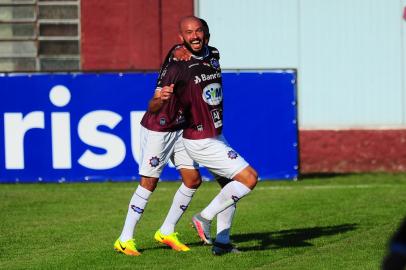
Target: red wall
x=171 y=15
x=346 y=151
x=129 y=34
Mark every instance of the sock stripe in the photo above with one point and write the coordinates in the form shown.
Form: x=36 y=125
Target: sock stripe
x=141 y=196
x=185 y=194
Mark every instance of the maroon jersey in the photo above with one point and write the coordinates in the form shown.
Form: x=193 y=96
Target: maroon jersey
x=170 y=117
x=198 y=88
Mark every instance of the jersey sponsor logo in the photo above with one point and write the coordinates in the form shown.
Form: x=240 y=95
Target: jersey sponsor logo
x=154 y=161
x=217 y=117
x=207 y=77
x=137 y=209
x=213 y=94
x=197 y=80
x=232 y=154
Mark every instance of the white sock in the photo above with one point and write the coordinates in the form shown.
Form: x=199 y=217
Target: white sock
x=229 y=194
x=179 y=205
x=135 y=209
x=224 y=221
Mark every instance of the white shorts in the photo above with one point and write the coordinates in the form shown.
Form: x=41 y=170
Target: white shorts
x=216 y=155
x=156 y=150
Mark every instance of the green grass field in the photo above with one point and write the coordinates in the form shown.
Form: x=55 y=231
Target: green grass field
x=338 y=222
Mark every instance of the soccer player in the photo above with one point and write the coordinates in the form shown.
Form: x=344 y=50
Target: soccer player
x=161 y=140
x=224 y=219
x=198 y=86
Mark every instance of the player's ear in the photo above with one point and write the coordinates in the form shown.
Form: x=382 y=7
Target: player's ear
x=181 y=38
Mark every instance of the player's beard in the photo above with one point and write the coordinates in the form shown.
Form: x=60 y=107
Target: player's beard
x=197 y=53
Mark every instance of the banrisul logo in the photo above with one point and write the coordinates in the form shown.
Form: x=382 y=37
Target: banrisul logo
x=213 y=94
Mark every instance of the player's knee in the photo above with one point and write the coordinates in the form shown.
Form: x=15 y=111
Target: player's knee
x=248 y=177
x=193 y=182
x=252 y=178
x=191 y=178
x=149 y=183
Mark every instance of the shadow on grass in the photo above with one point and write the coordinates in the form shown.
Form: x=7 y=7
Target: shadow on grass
x=290 y=238
x=278 y=239
x=162 y=246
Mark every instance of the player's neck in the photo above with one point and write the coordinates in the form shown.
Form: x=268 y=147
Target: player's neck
x=204 y=52
x=200 y=54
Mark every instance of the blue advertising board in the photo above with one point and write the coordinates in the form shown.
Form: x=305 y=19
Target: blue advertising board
x=85 y=127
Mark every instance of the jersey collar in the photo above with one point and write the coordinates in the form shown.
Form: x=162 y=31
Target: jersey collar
x=204 y=54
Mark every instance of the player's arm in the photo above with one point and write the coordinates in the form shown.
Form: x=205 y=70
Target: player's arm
x=161 y=92
x=180 y=53
x=161 y=96
x=168 y=76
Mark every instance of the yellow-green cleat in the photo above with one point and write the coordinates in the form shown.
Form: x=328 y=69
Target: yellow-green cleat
x=127 y=247
x=171 y=240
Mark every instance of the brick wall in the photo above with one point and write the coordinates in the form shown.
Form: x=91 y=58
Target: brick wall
x=129 y=34
x=344 y=151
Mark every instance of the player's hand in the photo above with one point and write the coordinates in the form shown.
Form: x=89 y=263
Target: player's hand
x=166 y=92
x=181 y=54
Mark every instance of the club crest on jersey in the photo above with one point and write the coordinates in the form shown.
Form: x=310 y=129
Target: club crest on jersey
x=213 y=94
x=215 y=63
x=232 y=154
x=162 y=121
x=154 y=161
